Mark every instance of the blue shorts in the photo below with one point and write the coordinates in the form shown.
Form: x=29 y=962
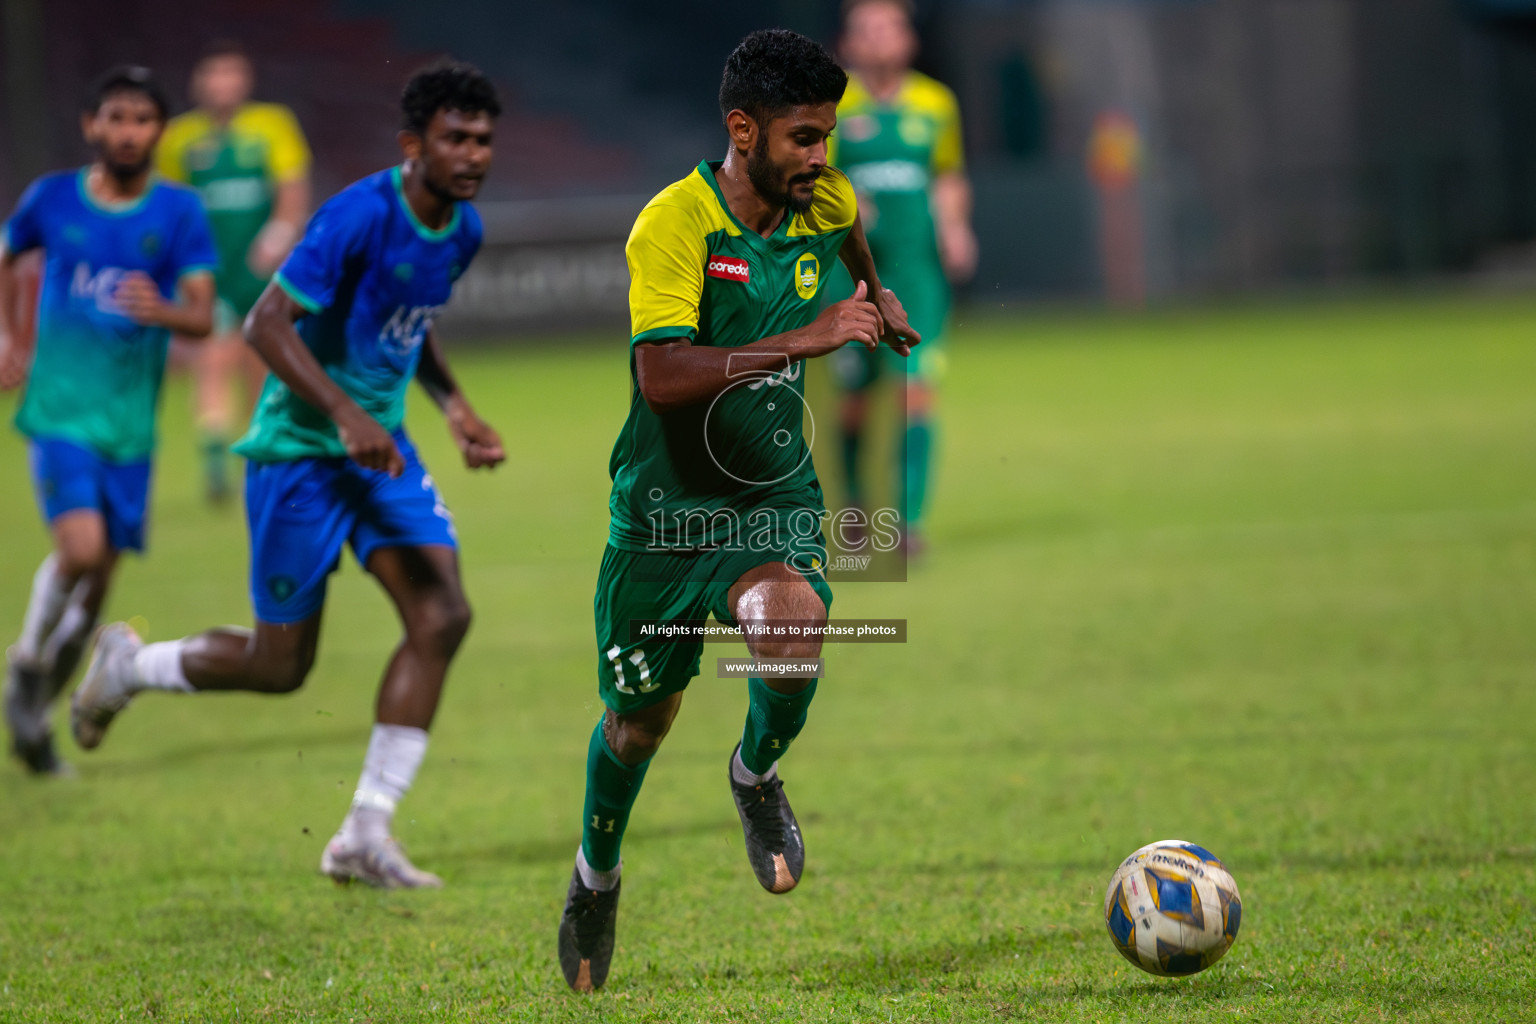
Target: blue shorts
x=69 y=477
x=302 y=512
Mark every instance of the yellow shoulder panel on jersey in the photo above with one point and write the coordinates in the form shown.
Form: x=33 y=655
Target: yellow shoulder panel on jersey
x=855 y=96
x=833 y=209
x=180 y=133
x=666 y=253
x=934 y=98
x=287 y=152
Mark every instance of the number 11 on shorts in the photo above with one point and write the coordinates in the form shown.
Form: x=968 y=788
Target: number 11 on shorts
x=636 y=658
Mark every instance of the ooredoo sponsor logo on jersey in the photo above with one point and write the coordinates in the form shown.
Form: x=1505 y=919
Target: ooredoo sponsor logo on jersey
x=728 y=268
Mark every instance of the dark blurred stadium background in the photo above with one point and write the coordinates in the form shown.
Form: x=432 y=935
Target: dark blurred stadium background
x=1286 y=142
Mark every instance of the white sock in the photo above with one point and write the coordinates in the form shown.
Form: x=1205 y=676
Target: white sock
x=593 y=878
x=74 y=623
x=158 y=667
x=744 y=776
x=49 y=595
x=394 y=754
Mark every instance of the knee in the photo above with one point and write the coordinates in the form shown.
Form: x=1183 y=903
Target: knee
x=441 y=625
x=778 y=649
x=919 y=400
x=281 y=673
x=638 y=743
x=83 y=557
x=636 y=739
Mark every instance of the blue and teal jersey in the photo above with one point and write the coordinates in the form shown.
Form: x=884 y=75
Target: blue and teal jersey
x=371 y=277
x=95 y=376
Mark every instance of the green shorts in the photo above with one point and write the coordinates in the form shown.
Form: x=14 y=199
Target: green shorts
x=238 y=291
x=924 y=294
x=654 y=585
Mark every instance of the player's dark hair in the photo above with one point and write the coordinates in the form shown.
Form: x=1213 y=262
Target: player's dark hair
x=223 y=47
x=127 y=78
x=446 y=85
x=775 y=69
x=906 y=7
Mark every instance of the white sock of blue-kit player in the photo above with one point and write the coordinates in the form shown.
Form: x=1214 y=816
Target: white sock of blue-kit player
x=50 y=592
x=157 y=666
x=394 y=754
x=74 y=623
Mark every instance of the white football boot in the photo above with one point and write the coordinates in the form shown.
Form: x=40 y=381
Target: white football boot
x=105 y=689
x=380 y=862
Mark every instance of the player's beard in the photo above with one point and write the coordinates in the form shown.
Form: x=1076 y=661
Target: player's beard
x=442 y=193
x=120 y=170
x=764 y=177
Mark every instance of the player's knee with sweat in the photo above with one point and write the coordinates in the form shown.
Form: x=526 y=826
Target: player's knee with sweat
x=635 y=740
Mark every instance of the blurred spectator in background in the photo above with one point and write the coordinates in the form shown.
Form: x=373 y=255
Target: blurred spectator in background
x=250 y=163
x=1114 y=167
x=898 y=139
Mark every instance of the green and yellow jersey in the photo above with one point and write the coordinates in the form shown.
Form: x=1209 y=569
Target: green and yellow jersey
x=236 y=168
x=690 y=477
x=892 y=151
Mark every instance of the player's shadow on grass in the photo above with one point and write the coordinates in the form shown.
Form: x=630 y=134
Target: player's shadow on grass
x=946 y=967
x=547 y=851
x=280 y=744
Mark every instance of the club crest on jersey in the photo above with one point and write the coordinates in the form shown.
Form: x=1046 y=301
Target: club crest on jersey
x=728 y=268
x=807 y=273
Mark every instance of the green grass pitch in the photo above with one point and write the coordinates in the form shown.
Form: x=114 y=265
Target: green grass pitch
x=1263 y=578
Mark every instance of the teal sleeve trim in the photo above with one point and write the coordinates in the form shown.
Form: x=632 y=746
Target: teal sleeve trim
x=296 y=295
x=657 y=333
x=197 y=268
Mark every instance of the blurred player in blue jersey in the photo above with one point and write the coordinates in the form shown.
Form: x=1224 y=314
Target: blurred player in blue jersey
x=345 y=326
x=128 y=259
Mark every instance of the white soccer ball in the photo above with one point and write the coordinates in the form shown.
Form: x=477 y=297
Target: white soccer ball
x=1172 y=908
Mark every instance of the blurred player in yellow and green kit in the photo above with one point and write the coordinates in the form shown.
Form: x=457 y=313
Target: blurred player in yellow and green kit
x=898 y=140
x=250 y=164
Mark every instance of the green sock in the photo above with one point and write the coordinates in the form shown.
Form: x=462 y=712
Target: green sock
x=215 y=448
x=611 y=790
x=850 y=450
x=916 y=449
x=774 y=719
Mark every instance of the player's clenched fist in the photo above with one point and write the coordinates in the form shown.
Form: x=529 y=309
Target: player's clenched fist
x=853 y=319
x=897 y=333
x=368 y=444
x=476 y=438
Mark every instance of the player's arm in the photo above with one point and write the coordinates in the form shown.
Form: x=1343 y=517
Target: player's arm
x=952 y=219
x=15 y=348
x=951 y=194
x=674 y=373
x=290 y=204
x=270 y=331
x=894 y=329
x=477 y=439
x=288 y=164
x=189 y=315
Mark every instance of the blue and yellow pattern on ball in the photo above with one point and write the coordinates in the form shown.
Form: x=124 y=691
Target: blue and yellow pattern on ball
x=1172 y=908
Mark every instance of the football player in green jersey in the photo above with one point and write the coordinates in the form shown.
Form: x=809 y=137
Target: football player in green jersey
x=899 y=141
x=250 y=164
x=715 y=504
